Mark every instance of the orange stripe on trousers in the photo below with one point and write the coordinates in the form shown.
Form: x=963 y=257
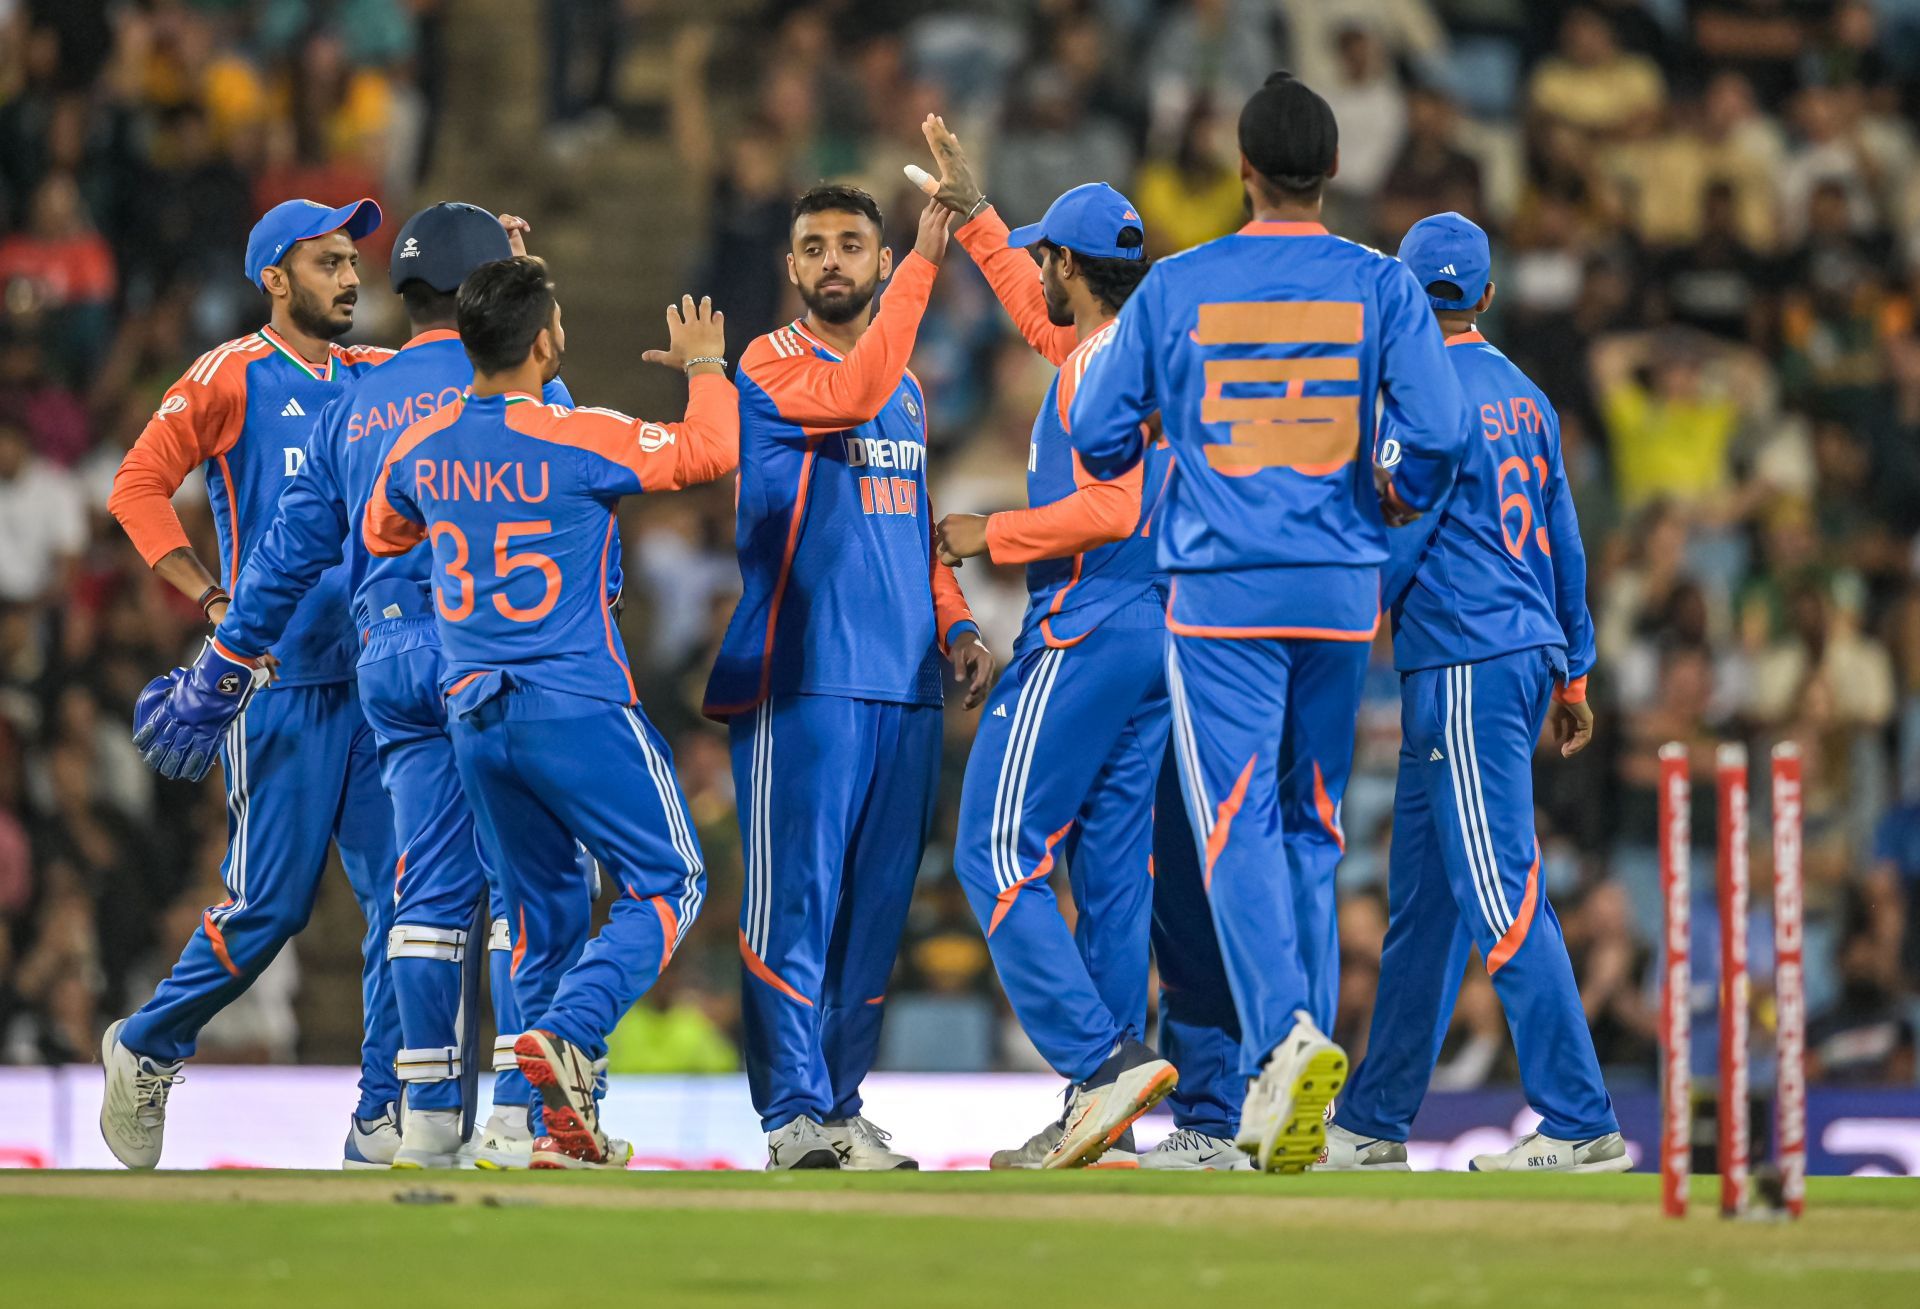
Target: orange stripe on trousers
x=1516 y=935
x=1223 y=821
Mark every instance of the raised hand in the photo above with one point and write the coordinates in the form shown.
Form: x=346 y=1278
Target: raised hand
x=956 y=187
x=516 y=229
x=693 y=332
x=931 y=243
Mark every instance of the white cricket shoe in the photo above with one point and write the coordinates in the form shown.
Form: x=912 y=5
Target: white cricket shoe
x=863 y=1148
x=504 y=1141
x=372 y=1142
x=1189 y=1151
x=543 y=1152
x=802 y=1143
x=133 y=1112
x=429 y=1138
x=1283 y=1121
x=565 y=1078
x=1034 y=1153
x=1101 y=1109
x=1534 y=1153
x=1350 y=1152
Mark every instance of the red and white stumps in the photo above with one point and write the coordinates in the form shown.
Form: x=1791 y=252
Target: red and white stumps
x=1676 y=984
x=1731 y=878
x=1789 y=986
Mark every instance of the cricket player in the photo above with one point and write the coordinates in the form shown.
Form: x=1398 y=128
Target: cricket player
x=1063 y=764
x=518 y=500
x=434 y=946
x=300 y=767
x=1492 y=637
x=1265 y=353
x=829 y=674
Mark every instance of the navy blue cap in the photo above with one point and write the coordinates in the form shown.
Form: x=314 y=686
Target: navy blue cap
x=1087 y=220
x=1449 y=248
x=291 y=221
x=442 y=243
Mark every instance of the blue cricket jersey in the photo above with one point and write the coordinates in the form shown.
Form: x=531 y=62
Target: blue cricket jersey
x=1266 y=353
x=315 y=525
x=841 y=593
x=245 y=410
x=1498 y=565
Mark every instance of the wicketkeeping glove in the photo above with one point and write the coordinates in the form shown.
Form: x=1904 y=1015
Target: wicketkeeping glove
x=180 y=719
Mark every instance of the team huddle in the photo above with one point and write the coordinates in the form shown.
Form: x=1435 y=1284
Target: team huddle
x=416 y=656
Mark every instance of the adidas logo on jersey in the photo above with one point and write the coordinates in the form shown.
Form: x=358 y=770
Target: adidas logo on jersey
x=293 y=410
x=1000 y=711
x=1436 y=756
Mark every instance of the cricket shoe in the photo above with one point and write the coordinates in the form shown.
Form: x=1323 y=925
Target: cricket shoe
x=503 y=1142
x=802 y=1143
x=545 y=1152
x=372 y=1142
x=1189 y=1151
x=1535 y=1153
x=863 y=1148
x=1038 y=1146
x=430 y=1138
x=1100 y=1110
x=1350 y=1152
x=1283 y=1121
x=565 y=1078
x=133 y=1112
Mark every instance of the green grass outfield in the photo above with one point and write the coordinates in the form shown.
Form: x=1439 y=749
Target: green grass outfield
x=1024 y=1240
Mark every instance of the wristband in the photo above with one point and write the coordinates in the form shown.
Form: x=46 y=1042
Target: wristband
x=209 y=596
x=705 y=359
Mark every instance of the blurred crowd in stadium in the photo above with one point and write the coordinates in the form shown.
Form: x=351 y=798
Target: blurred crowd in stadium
x=1707 y=226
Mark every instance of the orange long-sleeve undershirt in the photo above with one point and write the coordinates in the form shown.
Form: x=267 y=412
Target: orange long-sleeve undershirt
x=1015 y=280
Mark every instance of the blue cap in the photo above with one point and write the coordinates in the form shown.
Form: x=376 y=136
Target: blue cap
x=1087 y=220
x=442 y=243
x=1449 y=248
x=302 y=220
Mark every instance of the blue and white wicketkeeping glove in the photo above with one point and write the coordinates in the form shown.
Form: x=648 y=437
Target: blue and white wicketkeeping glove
x=179 y=720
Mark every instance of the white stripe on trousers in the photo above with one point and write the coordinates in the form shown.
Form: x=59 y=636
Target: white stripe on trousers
x=238 y=805
x=1010 y=796
x=678 y=830
x=1187 y=750
x=759 y=908
x=1469 y=801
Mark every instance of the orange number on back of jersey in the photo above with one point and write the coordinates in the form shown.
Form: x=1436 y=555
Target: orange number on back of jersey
x=1314 y=435
x=504 y=563
x=456 y=569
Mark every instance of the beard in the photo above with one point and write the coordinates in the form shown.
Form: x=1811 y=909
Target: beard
x=315 y=316
x=1059 y=312
x=838 y=306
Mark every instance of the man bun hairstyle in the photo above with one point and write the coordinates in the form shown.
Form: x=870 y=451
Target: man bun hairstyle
x=501 y=308
x=1289 y=134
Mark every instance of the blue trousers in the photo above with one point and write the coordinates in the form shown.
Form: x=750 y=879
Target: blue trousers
x=835 y=796
x=1063 y=765
x=300 y=770
x=442 y=880
x=1199 y=1031
x=1263 y=733
x=1466 y=865
x=544 y=770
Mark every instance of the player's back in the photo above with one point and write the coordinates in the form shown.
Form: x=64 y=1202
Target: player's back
x=519 y=512
x=1475 y=578
x=1268 y=350
x=431 y=372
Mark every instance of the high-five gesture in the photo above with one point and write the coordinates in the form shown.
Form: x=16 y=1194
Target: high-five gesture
x=956 y=187
x=696 y=338
x=931 y=244
x=516 y=229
